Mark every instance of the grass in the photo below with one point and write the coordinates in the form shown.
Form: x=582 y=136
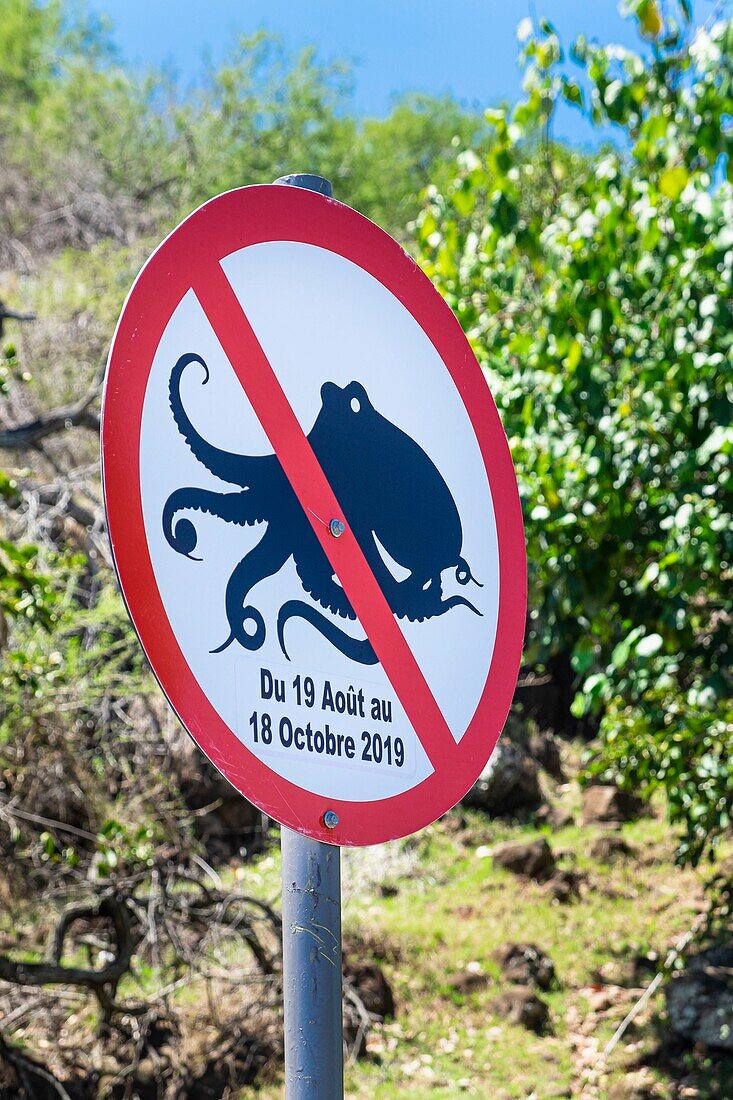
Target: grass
x=434 y=906
x=454 y=908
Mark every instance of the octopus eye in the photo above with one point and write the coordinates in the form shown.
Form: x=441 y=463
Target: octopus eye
x=355 y=405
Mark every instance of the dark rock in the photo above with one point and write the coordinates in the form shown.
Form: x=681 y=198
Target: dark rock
x=468 y=981
x=533 y=858
x=543 y=747
x=605 y=849
x=645 y=966
x=564 y=886
x=508 y=783
x=525 y=964
x=700 y=999
x=555 y=816
x=371 y=985
x=607 y=805
x=521 y=1005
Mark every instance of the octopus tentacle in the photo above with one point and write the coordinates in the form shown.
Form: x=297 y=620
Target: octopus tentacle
x=317 y=579
x=458 y=601
x=266 y=559
x=319 y=582
x=356 y=649
x=243 y=508
x=431 y=602
x=244 y=470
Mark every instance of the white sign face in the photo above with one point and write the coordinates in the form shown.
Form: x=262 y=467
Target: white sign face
x=314 y=515
x=287 y=291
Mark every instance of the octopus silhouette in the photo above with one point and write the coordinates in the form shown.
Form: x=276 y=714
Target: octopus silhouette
x=393 y=497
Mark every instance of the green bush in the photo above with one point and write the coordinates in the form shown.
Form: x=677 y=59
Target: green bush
x=597 y=294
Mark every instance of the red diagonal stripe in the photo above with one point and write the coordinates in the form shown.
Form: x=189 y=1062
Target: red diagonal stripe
x=288 y=440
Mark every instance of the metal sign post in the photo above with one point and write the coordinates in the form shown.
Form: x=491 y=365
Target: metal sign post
x=314 y=1061
x=312 y=981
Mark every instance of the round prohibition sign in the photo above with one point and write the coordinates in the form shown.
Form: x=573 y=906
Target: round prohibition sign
x=279 y=342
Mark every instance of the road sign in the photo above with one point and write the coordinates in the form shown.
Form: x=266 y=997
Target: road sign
x=314 y=515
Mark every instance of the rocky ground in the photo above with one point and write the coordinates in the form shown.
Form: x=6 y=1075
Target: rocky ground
x=552 y=949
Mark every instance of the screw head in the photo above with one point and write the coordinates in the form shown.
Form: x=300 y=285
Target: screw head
x=337 y=528
x=330 y=819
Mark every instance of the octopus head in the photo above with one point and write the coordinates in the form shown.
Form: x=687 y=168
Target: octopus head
x=345 y=402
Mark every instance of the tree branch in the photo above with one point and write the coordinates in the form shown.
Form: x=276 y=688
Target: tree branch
x=103 y=983
x=55 y=496
x=58 y=420
x=12 y=315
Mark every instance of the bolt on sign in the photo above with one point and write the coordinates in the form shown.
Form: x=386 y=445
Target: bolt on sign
x=314 y=514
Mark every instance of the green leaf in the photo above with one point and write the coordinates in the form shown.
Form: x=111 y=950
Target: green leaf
x=650 y=19
x=8 y=488
x=622 y=651
x=649 y=645
x=673 y=181
x=583 y=656
x=572 y=92
x=574 y=355
x=495 y=115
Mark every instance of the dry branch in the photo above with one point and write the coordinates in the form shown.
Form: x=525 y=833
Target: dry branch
x=32 y=432
x=103 y=982
x=173 y=916
x=12 y=315
x=58 y=496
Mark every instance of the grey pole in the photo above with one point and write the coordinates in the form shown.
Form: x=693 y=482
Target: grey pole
x=312 y=981
x=314 y=1052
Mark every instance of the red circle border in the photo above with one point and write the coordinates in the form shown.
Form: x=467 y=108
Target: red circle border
x=235 y=220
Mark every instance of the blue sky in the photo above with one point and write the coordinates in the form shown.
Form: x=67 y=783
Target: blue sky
x=464 y=47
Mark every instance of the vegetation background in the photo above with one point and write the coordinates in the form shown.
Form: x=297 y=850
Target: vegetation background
x=595 y=288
